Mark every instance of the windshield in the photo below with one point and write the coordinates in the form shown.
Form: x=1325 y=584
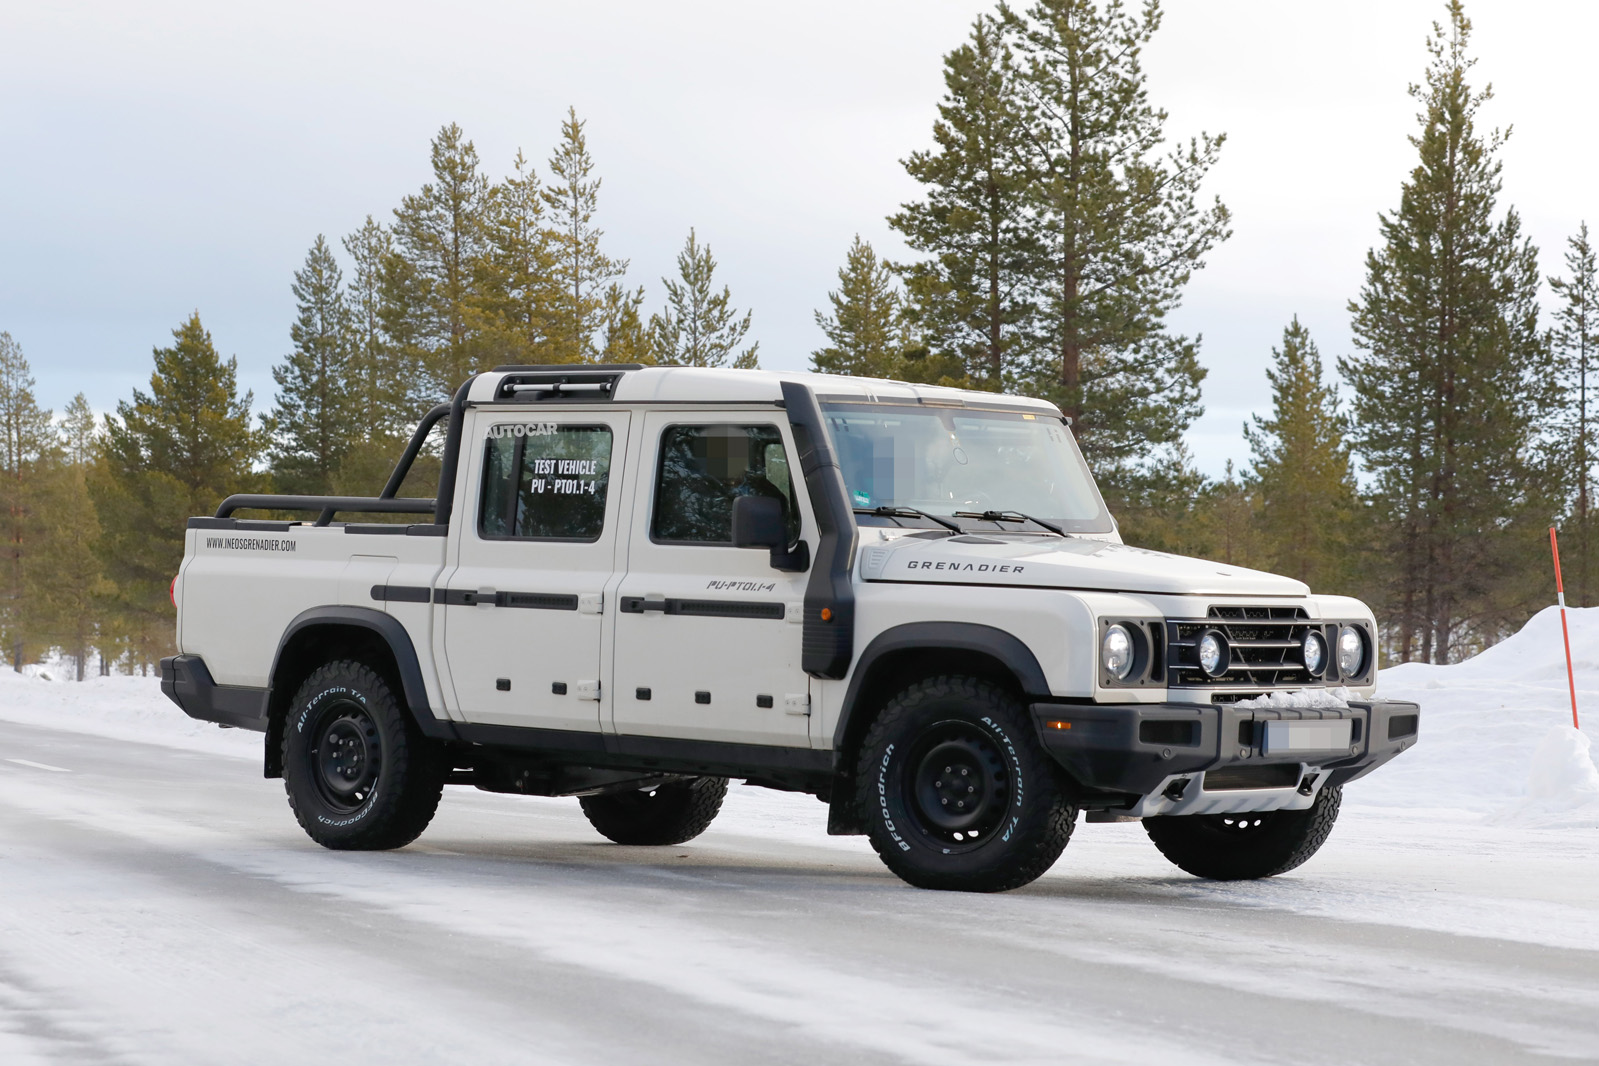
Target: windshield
x=949 y=460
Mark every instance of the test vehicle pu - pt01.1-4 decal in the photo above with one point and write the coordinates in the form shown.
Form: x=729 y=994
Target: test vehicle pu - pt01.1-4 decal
x=635 y=583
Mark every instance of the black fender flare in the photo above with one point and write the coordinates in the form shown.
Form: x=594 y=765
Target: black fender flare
x=407 y=664
x=1006 y=648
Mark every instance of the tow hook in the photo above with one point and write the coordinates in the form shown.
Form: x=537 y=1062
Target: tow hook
x=1308 y=785
x=1174 y=791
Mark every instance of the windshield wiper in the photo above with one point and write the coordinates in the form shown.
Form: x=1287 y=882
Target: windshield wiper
x=908 y=512
x=1012 y=516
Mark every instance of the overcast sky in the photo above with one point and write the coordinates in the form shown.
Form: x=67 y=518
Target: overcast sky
x=161 y=157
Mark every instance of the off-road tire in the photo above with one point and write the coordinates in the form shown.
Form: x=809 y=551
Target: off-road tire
x=673 y=813
x=344 y=719
x=915 y=752
x=1243 y=847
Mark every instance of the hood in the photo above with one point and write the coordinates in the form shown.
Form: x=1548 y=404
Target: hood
x=983 y=559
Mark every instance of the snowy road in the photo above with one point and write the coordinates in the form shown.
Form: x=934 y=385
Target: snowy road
x=160 y=905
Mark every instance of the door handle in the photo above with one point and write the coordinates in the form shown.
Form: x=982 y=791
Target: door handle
x=653 y=603
x=487 y=597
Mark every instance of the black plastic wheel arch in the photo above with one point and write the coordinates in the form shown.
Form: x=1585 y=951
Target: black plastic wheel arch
x=407 y=666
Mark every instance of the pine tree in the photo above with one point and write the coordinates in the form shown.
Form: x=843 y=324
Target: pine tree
x=173 y=452
x=582 y=273
x=626 y=336
x=27 y=447
x=1226 y=522
x=866 y=330
x=1302 y=473
x=1450 y=379
x=970 y=295
x=515 y=306
x=315 y=420
x=80 y=433
x=1118 y=225
x=439 y=240
x=379 y=384
x=699 y=327
x=1575 y=343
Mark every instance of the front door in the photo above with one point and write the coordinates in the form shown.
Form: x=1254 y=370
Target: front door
x=708 y=635
x=522 y=610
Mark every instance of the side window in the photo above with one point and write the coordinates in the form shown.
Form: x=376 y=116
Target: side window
x=703 y=469
x=543 y=481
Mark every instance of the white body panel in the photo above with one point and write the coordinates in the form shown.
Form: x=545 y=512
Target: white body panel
x=239 y=590
x=684 y=657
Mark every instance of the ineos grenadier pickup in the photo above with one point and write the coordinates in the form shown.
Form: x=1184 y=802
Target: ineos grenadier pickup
x=635 y=583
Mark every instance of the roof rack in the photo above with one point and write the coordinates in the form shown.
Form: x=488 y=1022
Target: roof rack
x=565 y=368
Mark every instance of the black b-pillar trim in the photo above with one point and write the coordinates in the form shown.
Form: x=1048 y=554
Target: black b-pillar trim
x=445 y=502
x=826 y=645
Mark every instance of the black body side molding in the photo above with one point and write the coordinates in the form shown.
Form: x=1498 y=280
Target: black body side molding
x=827 y=642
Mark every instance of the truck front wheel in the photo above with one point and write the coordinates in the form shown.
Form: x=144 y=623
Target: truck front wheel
x=358 y=774
x=957 y=792
x=1243 y=847
x=672 y=813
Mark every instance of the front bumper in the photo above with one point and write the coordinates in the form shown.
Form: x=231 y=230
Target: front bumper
x=1142 y=760
x=187 y=682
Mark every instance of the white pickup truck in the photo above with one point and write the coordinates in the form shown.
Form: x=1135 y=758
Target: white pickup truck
x=910 y=602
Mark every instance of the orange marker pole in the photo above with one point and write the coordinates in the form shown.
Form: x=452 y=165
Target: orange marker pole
x=1560 y=593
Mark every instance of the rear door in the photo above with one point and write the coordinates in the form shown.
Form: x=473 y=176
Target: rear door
x=708 y=635
x=522 y=611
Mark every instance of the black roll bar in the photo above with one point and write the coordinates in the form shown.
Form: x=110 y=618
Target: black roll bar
x=386 y=502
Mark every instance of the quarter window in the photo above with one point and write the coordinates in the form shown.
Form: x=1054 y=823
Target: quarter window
x=544 y=481
x=703 y=469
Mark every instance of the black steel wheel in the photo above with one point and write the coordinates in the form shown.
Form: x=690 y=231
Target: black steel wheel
x=358 y=774
x=957 y=792
x=1244 y=847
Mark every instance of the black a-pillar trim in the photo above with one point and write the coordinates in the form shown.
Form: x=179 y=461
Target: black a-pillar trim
x=828 y=640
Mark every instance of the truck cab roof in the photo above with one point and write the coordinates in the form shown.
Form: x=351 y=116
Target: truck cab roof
x=631 y=383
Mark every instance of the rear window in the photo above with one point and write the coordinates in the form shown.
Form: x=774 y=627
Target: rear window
x=543 y=481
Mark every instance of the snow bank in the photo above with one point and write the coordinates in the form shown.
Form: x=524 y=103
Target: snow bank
x=1486 y=742
x=120 y=707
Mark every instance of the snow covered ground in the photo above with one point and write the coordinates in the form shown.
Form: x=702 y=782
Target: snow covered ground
x=158 y=904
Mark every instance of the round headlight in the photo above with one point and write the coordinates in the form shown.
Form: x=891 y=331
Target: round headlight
x=1351 y=652
x=1213 y=657
x=1315 y=649
x=1116 y=652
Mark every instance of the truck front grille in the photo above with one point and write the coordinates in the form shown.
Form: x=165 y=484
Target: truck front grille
x=1266 y=644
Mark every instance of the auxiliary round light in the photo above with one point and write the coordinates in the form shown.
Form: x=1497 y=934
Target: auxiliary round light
x=1116 y=652
x=1351 y=652
x=1315 y=653
x=1214 y=657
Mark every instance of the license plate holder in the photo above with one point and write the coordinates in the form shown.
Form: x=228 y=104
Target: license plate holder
x=1333 y=734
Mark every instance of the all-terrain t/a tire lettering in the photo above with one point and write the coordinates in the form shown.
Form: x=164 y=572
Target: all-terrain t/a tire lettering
x=673 y=813
x=358 y=775
x=957 y=793
x=1243 y=847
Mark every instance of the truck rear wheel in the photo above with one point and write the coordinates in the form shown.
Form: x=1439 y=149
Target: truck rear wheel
x=673 y=813
x=956 y=791
x=358 y=774
x=1244 y=847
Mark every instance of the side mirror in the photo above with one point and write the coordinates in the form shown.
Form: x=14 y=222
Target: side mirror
x=758 y=523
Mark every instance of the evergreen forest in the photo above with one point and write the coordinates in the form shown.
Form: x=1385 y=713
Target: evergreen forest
x=1056 y=224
